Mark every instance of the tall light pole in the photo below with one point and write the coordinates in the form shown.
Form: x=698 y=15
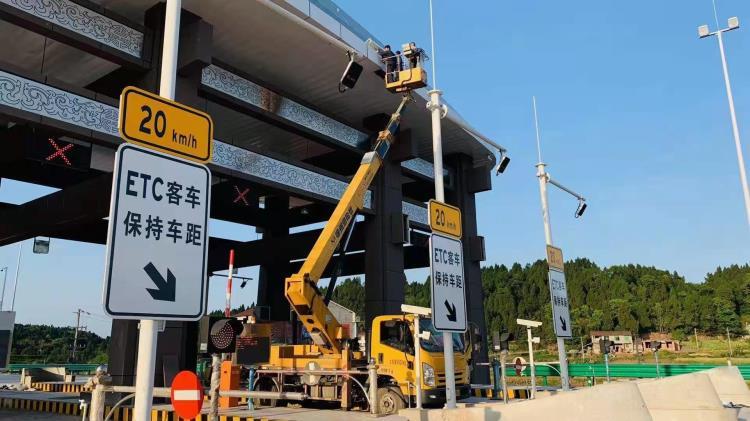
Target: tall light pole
x=15 y=281
x=438 y=111
x=545 y=178
x=5 y=279
x=704 y=32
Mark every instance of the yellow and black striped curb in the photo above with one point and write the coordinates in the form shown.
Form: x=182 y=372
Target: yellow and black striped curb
x=62 y=408
x=58 y=387
x=120 y=414
x=512 y=393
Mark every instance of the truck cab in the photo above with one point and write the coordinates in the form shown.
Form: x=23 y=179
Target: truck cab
x=392 y=347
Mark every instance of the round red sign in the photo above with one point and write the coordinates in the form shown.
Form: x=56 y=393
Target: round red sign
x=187 y=394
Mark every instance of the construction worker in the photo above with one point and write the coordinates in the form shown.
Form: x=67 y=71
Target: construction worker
x=391 y=63
x=415 y=55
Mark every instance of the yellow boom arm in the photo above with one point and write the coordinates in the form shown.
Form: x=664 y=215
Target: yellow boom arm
x=301 y=288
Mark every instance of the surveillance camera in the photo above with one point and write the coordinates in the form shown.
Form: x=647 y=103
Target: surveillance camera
x=528 y=323
x=504 y=161
x=244 y=282
x=351 y=75
x=581 y=208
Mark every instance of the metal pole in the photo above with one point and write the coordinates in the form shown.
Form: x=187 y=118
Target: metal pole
x=436 y=110
x=213 y=414
x=147 y=334
x=656 y=356
x=5 y=279
x=417 y=363
x=432 y=43
x=503 y=355
x=542 y=175
x=606 y=365
x=250 y=384
x=729 y=342
x=735 y=128
x=532 y=369
x=695 y=331
x=372 y=375
x=75 y=335
x=228 y=307
x=15 y=281
x=437 y=153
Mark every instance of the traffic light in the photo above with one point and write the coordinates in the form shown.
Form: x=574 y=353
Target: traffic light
x=655 y=345
x=605 y=346
x=505 y=337
x=500 y=340
x=219 y=334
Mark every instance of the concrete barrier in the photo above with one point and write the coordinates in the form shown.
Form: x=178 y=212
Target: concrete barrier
x=476 y=413
x=611 y=402
x=686 y=397
x=729 y=385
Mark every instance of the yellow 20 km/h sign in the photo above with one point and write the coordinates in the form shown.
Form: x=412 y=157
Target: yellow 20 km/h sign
x=167 y=126
x=445 y=218
x=555 y=258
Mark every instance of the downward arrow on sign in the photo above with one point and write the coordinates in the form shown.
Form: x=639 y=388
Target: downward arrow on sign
x=564 y=325
x=165 y=290
x=451 y=311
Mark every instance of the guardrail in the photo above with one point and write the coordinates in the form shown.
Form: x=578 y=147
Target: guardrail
x=641 y=371
x=70 y=368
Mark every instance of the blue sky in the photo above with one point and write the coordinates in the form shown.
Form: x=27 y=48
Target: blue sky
x=633 y=115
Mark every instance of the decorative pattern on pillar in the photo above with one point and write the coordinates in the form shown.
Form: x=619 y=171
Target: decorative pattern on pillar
x=272 y=276
x=85 y=22
x=463 y=196
x=384 y=254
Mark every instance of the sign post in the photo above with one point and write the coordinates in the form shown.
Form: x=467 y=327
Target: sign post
x=448 y=282
x=146 y=275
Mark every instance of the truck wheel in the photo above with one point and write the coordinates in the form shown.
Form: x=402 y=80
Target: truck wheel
x=389 y=401
x=265 y=384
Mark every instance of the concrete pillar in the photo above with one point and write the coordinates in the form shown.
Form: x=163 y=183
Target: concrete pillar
x=467 y=181
x=384 y=252
x=123 y=344
x=272 y=275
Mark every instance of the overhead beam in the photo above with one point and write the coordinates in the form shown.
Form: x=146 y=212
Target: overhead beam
x=57 y=212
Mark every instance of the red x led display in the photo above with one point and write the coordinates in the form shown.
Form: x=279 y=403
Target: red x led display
x=241 y=195
x=59 y=152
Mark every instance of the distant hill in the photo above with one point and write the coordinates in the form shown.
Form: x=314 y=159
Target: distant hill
x=631 y=297
x=624 y=297
x=53 y=345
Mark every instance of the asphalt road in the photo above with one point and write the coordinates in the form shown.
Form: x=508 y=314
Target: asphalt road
x=34 y=416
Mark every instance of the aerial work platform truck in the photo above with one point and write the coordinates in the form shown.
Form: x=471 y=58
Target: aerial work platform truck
x=330 y=369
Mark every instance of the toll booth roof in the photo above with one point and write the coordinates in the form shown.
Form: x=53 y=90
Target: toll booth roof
x=273 y=41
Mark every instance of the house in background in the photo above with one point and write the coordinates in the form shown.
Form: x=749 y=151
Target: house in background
x=623 y=341
x=667 y=343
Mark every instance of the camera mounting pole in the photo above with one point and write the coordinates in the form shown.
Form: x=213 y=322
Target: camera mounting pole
x=545 y=178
